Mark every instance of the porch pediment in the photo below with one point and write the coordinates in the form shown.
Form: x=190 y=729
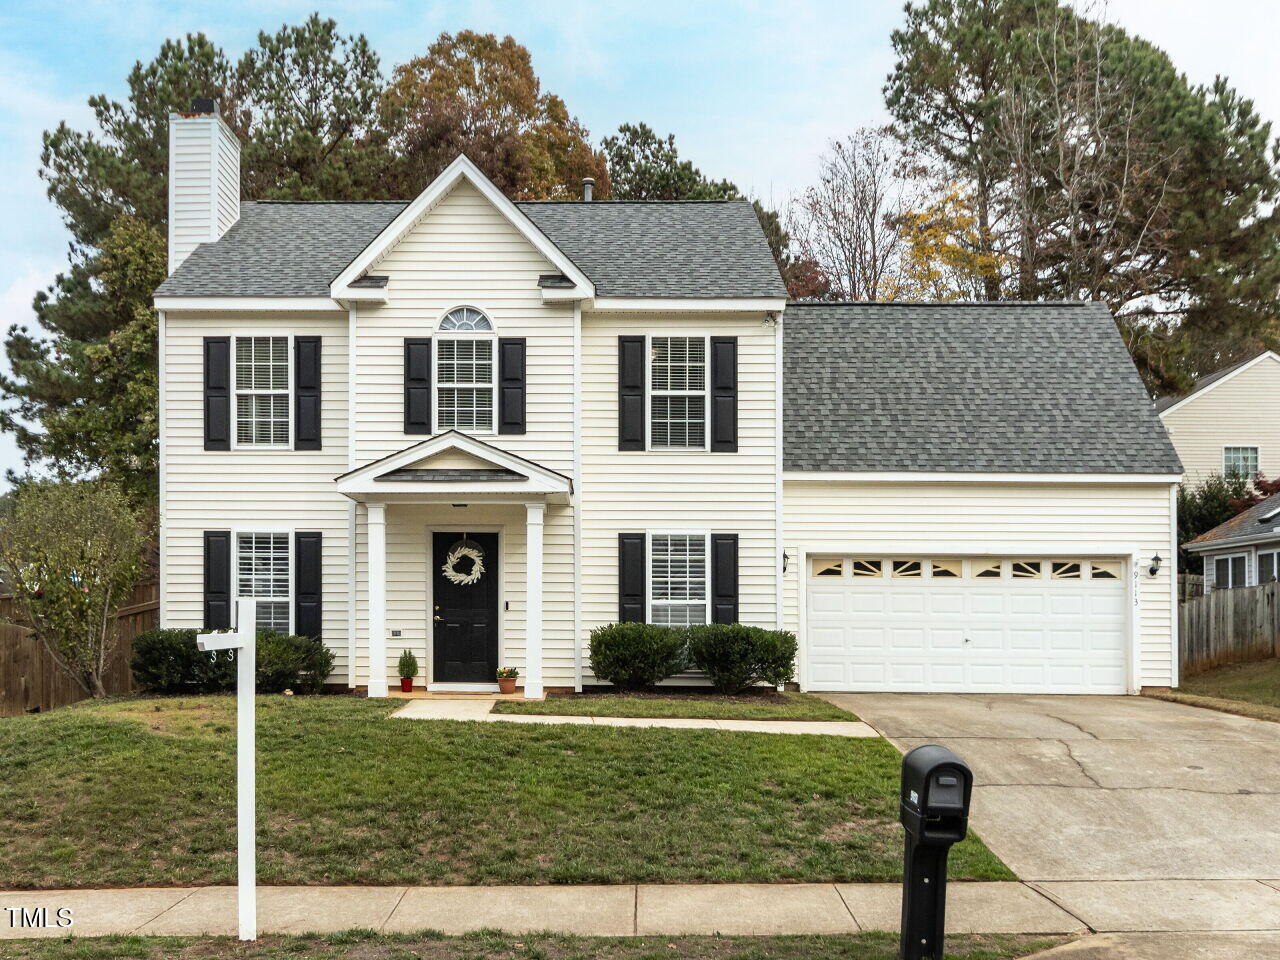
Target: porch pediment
x=450 y=465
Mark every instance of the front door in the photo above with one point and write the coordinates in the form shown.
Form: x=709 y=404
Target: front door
x=464 y=614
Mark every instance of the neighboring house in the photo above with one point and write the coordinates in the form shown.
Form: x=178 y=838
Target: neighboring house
x=1227 y=423
x=614 y=409
x=1244 y=551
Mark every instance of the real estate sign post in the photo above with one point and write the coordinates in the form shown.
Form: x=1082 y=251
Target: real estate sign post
x=242 y=641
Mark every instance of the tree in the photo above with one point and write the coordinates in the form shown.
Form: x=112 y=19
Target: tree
x=847 y=223
x=1204 y=505
x=71 y=553
x=475 y=94
x=944 y=257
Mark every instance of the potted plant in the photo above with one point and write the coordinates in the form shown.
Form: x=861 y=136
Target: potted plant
x=408 y=668
x=507 y=679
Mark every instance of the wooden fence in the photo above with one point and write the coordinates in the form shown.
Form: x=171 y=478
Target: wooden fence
x=31 y=682
x=1190 y=586
x=1229 y=626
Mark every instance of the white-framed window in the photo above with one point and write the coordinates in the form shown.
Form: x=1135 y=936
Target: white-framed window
x=678 y=578
x=466 y=372
x=678 y=404
x=1239 y=461
x=262 y=382
x=1268 y=566
x=1231 y=571
x=263 y=571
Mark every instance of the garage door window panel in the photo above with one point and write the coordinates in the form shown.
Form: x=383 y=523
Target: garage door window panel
x=1104 y=570
x=867 y=568
x=908 y=568
x=988 y=569
x=946 y=569
x=828 y=568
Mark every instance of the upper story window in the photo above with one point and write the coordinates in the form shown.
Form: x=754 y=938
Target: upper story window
x=678 y=393
x=1239 y=461
x=262 y=382
x=466 y=372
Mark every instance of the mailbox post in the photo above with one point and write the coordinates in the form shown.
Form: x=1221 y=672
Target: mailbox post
x=934 y=809
x=243 y=640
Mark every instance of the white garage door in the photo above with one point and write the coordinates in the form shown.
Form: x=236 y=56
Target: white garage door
x=970 y=624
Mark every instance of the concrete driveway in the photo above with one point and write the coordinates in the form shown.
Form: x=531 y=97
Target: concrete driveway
x=1133 y=814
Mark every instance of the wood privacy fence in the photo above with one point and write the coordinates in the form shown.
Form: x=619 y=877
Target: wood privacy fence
x=1190 y=586
x=31 y=682
x=1229 y=626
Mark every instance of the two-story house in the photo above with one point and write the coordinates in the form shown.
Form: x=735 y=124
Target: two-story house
x=476 y=429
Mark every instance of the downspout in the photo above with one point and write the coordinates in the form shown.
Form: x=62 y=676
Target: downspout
x=351 y=507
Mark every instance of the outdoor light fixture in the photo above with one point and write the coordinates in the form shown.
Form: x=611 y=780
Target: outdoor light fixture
x=1155 y=565
x=785 y=558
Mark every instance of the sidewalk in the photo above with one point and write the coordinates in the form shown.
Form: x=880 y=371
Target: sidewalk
x=477 y=709
x=623 y=910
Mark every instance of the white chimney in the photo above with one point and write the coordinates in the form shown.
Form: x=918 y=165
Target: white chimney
x=204 y=178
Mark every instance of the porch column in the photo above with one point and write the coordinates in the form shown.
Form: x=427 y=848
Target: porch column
x=534 y=513
x=377 y=599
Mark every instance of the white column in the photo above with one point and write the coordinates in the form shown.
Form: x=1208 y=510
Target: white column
x=534 y=513
x=377 y=599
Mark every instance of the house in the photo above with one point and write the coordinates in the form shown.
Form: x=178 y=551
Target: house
x=1226 y=423
x=477 y=429
x=1244 y=551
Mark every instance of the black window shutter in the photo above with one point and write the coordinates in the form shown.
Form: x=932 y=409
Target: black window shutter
x=306 y=393
x=631 y=378
x=307 y=577
x=724 y=578
x=417 y=385
x=724 y=394
x=511 y=388
x=217 y=393
x=632 y=589
x=217 y=579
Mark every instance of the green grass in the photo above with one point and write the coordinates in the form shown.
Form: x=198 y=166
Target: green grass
x=767 y=705
x=364 y=945
x=141 y=792
x=1257 y=683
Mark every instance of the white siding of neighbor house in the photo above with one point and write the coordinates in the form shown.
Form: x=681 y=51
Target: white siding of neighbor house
x=204 y=183
x=928 y=519
x=465 y=252
x=1238 y=412
x=635 y=491
x=250 y=489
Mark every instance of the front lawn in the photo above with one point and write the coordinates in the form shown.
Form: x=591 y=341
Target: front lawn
x=141 y=792
x=756 y=705
x=364 y=945
x=1250 y=689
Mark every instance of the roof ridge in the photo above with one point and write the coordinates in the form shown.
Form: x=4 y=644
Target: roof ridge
x=326 y=203
x=944 y=303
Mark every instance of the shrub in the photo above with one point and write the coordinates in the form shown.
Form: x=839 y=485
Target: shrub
x=288 y=662
x=635 y=656
x=167 y=661
x=735 y=656
x=407 y=666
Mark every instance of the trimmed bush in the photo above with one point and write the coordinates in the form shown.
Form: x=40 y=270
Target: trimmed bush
x=635 y=656
x=735 y=657
x=167 y=661
x=287 y=662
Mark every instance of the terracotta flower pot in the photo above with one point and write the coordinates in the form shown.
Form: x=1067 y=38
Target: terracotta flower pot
x=506 y=684
x=406 y=684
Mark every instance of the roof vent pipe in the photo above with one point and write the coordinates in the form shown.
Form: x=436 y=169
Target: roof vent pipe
x=588 y=185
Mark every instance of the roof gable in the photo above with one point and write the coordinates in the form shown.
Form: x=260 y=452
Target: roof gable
x=1203 y=385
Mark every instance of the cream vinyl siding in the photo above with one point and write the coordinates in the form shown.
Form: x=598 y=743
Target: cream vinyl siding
x=673 y=490
x=910 y=520
x=204 y=157
x=1238 y=412
x=465 y=252
x=269 y=489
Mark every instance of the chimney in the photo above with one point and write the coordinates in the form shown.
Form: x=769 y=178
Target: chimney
x=588 y=185
x=204 y=178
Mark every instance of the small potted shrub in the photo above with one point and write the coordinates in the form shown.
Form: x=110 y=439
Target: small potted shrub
x=408 y=667
x=507 y=679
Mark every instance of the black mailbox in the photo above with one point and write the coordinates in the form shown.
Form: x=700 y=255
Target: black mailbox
x=934 y=809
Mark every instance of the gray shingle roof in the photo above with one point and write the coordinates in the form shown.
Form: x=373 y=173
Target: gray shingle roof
x=1245 y=527
x=1020 y=388
x=626 y=249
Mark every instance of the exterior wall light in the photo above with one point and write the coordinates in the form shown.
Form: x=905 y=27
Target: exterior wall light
x=1155 y=565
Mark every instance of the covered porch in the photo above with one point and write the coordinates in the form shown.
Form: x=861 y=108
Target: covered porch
x=452 y=566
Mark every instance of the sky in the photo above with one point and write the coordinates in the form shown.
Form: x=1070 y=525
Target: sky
x=753 y=91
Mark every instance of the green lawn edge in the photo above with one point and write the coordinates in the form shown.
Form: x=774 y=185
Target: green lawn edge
x=1247 y=689
x=785 y=706
x=493 y=945
x=1242 y=708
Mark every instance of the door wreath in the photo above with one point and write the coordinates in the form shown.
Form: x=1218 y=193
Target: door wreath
x=464 y=550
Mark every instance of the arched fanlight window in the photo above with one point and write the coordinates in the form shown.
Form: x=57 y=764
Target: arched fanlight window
x=466 y=319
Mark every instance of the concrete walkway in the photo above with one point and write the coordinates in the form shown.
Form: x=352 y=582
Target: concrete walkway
x=624 y=910
x=482 y=710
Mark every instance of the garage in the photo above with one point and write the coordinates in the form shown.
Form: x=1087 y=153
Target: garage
x=966 y=624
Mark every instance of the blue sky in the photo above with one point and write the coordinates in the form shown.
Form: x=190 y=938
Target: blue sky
x=752 y=91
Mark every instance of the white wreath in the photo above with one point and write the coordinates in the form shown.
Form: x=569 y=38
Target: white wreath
x=463 y=579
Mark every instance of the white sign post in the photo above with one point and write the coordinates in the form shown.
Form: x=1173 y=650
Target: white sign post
x=243 y=641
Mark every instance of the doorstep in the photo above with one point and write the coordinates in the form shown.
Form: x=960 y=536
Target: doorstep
x=456 y=695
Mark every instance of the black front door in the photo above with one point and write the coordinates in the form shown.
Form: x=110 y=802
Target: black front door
x=464 y=617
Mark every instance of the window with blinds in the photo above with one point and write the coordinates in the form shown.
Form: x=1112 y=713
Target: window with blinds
x=678 y=579
x=262 y=572
x=678 y=392
x=465 y=384
x=262 y=391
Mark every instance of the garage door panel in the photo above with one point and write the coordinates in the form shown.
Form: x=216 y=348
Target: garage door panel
x=1020 y=635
